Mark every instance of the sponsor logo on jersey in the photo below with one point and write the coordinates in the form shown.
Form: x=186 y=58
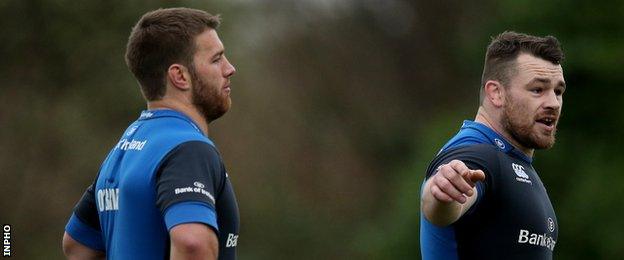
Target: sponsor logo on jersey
x=132 y=130
x=545 y=240
x=551 y=225
x=126 y=145
x=232 y=240
x=146 y=114
x=521 y=175
x=499 y=143
x=108 y=199
x=198 y=188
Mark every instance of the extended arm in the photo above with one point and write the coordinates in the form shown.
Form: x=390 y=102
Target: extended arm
x=73 y=250
x=193 y=241
x=450 y=192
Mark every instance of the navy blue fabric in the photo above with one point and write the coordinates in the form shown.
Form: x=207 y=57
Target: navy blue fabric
x=482 y=148
x=439 y=242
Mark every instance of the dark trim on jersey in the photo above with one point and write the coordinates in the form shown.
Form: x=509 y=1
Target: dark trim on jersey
x=185 y=164
x=87 y=211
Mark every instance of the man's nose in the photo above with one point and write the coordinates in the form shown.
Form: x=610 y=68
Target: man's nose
x=229 y=69
x=553 y=101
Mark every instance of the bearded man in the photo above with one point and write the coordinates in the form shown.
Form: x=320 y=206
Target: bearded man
x=482 y=198
x=163 y=192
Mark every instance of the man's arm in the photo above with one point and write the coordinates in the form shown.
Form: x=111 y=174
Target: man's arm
x=190 y=217
x=450 y=192
x=83 y=237
x=193 y=241
x=73 y=250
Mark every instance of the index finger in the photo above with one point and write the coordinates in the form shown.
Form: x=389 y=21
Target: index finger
x=459 y=167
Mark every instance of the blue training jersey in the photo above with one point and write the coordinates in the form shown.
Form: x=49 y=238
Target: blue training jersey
x=512 y=217
x=163 y=172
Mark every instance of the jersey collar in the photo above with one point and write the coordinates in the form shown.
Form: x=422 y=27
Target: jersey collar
x=496 y=139
x=156 y=113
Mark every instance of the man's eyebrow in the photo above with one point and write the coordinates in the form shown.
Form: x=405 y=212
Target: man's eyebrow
x=219 y=53
x=560 y=83
x=539 y=80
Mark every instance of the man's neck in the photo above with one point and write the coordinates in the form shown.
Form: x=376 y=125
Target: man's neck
x=485 y=118
x=188 y=110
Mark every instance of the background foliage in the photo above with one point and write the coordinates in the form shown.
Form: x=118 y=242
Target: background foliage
x=338 y=108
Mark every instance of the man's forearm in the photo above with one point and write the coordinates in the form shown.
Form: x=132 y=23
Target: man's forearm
x=193 y=252
x=442 y=213
x=193 y=241
x=73 y=250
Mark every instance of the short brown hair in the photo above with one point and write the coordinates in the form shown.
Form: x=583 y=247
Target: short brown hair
x=163 y=37
x=505 y=48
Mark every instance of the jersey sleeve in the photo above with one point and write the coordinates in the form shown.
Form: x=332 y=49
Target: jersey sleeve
x=187 y=184
x=84 y=224
x=476 y=157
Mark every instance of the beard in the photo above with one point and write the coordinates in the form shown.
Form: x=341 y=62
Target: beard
x=521 y=125
x=208 y=99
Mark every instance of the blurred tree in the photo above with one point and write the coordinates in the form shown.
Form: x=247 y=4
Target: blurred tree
x=338 y=108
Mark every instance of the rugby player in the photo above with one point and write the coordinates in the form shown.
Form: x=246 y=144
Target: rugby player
x=163 y=191
x=482 y=198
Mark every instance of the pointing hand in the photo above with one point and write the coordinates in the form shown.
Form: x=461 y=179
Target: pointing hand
x=454 y=182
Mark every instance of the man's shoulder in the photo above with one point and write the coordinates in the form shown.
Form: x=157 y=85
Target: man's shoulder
x=197 y=148
x=171 y=133
x=475 y=149
x=172 y=128
x=480 y=155
x=195 y=153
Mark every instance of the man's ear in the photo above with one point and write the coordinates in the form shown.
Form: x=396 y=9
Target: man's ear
x=494 y=93
x=179 y=76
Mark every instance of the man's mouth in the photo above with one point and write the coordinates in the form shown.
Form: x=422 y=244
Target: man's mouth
x=548 y=122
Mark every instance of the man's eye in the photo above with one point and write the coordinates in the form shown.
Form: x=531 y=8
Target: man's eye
x=537 y=90
x=558 y=92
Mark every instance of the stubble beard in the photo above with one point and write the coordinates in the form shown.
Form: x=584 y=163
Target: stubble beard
x=521 y=127
x=207 y=99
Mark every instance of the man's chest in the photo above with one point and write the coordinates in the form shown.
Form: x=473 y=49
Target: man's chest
x=520 y=204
